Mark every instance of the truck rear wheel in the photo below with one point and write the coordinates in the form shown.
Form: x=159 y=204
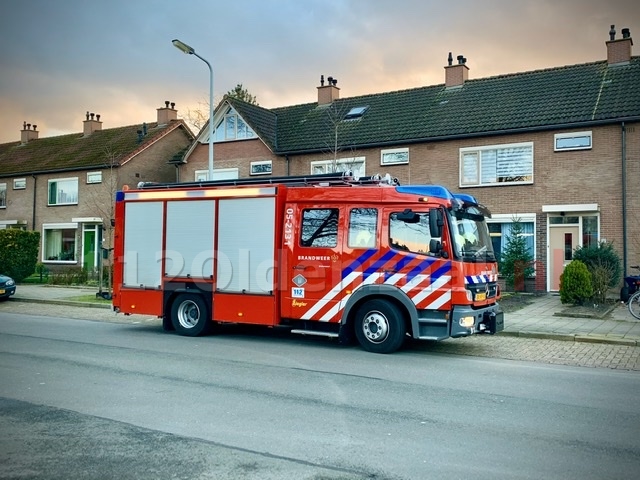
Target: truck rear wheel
x=190 y=315
x=380 y=327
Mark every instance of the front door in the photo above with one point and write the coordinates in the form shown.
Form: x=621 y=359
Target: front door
x=89 y=250
x=563 y=240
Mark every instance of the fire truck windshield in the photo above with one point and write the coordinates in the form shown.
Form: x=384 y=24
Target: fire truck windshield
x=471 y=239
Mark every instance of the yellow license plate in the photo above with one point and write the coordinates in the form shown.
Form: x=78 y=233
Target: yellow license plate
x=481 y=296
x=1 y=291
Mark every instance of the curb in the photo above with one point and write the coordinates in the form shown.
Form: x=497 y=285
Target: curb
x=570 y=337
x=68 y=303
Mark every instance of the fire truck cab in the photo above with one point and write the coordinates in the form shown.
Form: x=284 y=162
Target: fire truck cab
x=331 y=255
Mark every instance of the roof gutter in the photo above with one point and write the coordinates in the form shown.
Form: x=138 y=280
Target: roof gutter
x=61 y=170
x=475 y=135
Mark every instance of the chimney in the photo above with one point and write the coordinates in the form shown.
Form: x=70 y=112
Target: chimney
x=167 y=113
x=456 y=75
x=619 y=51
x=328 y=93
x=26 y=134
x=92 y=124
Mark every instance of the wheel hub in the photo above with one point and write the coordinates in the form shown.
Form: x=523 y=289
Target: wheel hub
x=375 y=327
x=188 y=314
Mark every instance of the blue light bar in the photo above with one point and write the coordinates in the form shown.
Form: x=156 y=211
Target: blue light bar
x=466 y=198
x=426 y=191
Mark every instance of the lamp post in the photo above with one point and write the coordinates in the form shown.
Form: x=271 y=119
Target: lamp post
x=183 y=47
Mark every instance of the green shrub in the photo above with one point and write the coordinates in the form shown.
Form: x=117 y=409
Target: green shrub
x=605 y=259
x=575 y=283
x=68 y=276
x=18 y=252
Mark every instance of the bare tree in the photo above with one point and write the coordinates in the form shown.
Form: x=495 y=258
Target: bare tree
x=337 y=126
x=101 y=200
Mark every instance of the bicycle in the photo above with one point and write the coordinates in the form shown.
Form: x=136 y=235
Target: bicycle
x=632 y=293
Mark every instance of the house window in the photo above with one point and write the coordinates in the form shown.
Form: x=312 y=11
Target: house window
x=355 y=113
x=496 y=165
x=218 y=174
x=319 y=227
x=94 y=177
x=261 y=168
x=572 y=141
x=59 y=243
x=63 y=191
x=394 y=156
x=356 y=165
x=19 y=183
x=232 y=127
x=3 y=195
x=363 y=224
x=500 y=231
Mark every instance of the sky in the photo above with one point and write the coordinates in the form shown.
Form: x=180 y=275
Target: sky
x=62 y=58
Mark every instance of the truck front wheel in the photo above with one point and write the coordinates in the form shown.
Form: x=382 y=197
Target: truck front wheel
x=189 y=315
x=380 y=327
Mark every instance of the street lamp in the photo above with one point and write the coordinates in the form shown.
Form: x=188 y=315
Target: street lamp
x=183 y=47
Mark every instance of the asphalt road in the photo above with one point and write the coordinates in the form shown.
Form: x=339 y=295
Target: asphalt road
x=85 y=399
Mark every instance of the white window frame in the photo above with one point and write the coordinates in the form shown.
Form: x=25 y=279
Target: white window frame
x=3 y=195
x=94 y=177
x=326 y=165
x=218 y=174
x=59 y=226
x=58 y=180
x=562 y=136
x=256 y=168
x=19 y=183
x=221 y=131
x=390 y=156
x=471 y=175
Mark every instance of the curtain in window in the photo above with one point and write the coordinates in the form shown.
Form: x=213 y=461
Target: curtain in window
x=52 y=244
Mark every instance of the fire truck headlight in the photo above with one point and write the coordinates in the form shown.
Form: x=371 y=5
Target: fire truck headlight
x=467 y=322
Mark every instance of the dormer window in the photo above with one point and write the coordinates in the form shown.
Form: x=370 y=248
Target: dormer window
x=232 y=127
x=355 y=113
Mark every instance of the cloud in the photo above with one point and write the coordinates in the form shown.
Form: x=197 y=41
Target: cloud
x=116 y=57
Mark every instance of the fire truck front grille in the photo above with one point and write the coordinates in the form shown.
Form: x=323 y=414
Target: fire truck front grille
x=491 y=289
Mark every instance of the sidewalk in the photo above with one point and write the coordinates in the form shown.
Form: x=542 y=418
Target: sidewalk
x=541 y=319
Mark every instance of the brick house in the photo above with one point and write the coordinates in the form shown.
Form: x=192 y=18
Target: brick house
x=558 y=149
x=64 y=186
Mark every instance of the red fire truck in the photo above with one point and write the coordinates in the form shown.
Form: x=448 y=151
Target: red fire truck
x=331 y=255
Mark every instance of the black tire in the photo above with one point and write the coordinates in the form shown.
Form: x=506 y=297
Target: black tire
x=379 y=326
x=190 y=315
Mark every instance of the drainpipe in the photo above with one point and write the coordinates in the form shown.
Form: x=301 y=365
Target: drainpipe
x=33 y=212
x=286 y=158
x=624 y=198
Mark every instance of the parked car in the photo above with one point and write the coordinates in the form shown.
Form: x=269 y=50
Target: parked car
x=7 y=287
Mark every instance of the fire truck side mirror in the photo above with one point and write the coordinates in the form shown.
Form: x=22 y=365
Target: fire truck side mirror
x=435 y=248
x=436 y=222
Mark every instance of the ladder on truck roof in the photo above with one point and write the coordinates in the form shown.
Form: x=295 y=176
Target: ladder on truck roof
x=323 y=179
